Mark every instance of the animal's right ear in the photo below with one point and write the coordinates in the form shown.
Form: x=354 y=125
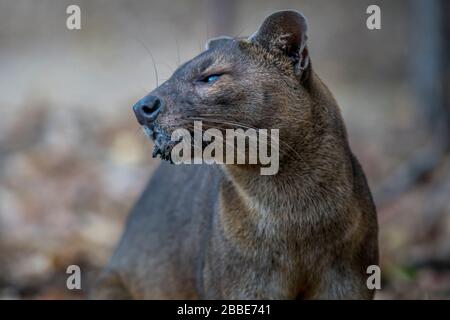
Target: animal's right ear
x=284 y=32
x=215 y=42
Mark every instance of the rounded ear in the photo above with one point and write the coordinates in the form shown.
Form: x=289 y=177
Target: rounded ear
x=215 y=42
x=285 y=32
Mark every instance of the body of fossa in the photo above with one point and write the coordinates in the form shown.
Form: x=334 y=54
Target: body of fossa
x=226 y=231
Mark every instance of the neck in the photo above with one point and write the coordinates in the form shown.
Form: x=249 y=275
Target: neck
x=314 y=174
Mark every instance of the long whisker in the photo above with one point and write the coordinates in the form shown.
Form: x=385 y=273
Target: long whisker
x=178 y=52
x=168 y=66
x=265 y=116
x=153 y=61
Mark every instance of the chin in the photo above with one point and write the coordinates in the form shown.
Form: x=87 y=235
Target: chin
x=162 y=143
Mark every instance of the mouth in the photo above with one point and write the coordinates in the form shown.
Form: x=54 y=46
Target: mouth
x=163 y=144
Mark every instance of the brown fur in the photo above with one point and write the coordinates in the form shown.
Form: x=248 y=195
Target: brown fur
x=202 y=231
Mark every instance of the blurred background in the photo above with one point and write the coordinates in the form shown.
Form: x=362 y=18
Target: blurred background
x=73 y=159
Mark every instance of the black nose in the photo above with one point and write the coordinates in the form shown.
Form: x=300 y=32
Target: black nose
x=147 y=109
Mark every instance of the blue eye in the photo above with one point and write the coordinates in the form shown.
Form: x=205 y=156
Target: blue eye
x=212 y=78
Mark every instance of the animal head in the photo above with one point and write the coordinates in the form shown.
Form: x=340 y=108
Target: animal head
x=254 y=82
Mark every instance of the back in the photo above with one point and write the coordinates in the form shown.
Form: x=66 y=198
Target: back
x=158 y=254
